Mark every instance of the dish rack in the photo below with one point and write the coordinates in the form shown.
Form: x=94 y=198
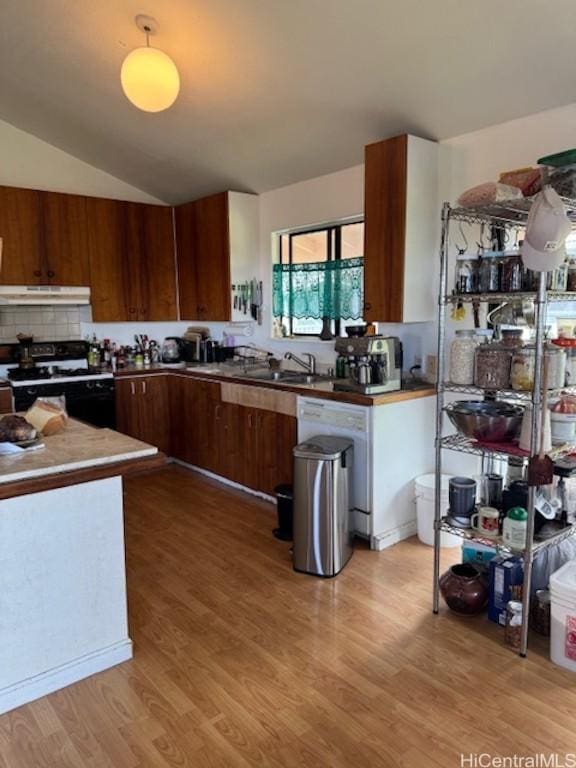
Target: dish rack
x=507 y=216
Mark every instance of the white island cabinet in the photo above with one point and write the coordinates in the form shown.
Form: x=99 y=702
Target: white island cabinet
x=63 y=611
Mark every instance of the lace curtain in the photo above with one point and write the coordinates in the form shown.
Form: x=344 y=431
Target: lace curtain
x=333 y=289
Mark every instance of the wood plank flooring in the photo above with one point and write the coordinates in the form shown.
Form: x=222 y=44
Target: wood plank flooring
x=239 y=661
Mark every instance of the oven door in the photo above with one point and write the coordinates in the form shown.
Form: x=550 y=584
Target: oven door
x=94 y=404
x=89 y=401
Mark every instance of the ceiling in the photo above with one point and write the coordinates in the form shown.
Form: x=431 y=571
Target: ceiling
x=276 y=91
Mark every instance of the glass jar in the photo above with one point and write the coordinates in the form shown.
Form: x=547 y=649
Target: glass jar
x=569 y=347
x=523 y=362
x=513 y=628
x=489 y=273
x=512 y=278
x=560 y=281
x=492 y=367
x=511 y=338
x=462 y=351
x=466 y=274
x=540 y=612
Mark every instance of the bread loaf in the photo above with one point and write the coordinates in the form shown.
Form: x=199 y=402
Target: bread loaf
x=14 y=429
x=48 y=418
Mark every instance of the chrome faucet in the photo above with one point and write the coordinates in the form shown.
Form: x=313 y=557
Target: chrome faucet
x=309 y=367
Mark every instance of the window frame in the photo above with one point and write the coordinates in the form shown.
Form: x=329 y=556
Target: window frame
x=334 y=253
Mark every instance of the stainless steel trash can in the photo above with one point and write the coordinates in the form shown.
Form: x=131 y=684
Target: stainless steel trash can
x=322 y=499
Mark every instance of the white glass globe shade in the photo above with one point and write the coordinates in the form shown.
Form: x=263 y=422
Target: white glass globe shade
x=150 y=79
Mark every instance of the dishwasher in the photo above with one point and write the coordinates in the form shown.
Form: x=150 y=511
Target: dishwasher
x=324 y=417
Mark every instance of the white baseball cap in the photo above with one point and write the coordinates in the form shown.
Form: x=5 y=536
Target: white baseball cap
x=547 y=228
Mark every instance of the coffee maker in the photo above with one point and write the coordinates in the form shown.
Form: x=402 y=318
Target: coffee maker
x=372 y=364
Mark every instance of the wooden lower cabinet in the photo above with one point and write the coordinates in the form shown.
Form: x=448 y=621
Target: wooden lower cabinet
x=143 y=409
x=250 y=446
x=6 y=403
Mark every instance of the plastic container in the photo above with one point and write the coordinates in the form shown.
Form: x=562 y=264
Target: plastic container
x=563 y=428
x=563 y=616
x=424 y=492
x=514 y=529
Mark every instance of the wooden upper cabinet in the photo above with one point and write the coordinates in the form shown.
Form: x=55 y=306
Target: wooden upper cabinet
x=108 y=265
x=132 y=264
x=158 y=264
x=65 y=238
x=216 y=246
x=401 y=230
x=22 y=261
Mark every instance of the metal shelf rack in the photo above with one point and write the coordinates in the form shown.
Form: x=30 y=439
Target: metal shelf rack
x=509 y=215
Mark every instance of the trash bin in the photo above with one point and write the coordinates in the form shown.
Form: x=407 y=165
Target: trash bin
x=322 y=498
x=285 y=510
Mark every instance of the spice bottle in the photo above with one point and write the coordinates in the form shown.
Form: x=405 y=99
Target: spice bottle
x=513 y=629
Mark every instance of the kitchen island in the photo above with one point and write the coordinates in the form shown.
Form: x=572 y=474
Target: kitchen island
x=63 y=611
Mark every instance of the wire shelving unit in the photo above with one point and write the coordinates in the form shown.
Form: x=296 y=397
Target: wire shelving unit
x=509 y=215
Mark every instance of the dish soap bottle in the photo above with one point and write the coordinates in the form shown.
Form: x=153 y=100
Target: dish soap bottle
x=514 y=528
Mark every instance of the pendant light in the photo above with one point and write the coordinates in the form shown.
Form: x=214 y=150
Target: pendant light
x=149 y=77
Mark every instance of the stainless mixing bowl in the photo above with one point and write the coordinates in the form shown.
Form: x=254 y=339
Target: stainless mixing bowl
x=491 y=421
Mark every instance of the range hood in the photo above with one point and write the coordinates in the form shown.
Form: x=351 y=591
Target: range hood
x=52 y=295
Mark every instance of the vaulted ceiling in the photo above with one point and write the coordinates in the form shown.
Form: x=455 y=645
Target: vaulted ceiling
x=276 y=91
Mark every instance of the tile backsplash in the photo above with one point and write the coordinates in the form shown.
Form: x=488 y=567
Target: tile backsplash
x=43 y=322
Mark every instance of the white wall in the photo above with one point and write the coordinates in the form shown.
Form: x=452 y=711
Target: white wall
x=26 y=161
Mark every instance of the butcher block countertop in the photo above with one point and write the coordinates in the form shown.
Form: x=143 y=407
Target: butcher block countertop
x=323 y=389
x=78 y=454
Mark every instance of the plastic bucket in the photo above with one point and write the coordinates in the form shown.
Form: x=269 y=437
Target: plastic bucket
x=563 y=616
x=563 y=427
x=424 y=492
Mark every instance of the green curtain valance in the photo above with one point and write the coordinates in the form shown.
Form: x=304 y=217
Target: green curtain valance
x=333 y=289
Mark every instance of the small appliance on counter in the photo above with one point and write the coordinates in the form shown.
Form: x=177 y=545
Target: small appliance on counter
x=170 y=352
x=370 y=365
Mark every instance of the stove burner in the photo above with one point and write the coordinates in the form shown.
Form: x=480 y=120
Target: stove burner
x=42 y=372
x=28 y=374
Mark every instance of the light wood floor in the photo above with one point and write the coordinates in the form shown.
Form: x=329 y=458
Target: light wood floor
x=241 y=662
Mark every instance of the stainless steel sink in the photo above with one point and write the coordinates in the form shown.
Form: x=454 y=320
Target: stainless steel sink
x=287 y=377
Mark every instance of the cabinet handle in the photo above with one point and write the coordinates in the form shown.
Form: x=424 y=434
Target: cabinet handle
x=368 y=306
x=132 y=388
x=50 y=273
x=144 y=387
x=37 y=273
x=217 y=411
x=249 y=421
x=131 y=310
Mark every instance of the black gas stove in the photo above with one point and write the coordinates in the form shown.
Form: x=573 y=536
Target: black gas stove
x=88 y=393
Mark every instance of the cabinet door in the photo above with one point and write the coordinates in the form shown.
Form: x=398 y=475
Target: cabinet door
x=232 y=442
x=385 y=182
x=134 y=260
x=108 y=267
x=203 y=251
x=185 y=223
x=20 y=228
x=128 y=406
x=157 y=264
x=154 y=407
x=212 y=246
x=66 y=238
x=286 y=439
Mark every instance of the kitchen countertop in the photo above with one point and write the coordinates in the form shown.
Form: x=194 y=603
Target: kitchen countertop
x=323 y=389
x=78 y=447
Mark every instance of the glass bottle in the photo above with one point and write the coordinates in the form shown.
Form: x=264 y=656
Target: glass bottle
x=513 y=629
x=489 y=274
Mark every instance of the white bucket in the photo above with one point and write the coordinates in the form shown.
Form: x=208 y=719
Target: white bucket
x=563 y=616
x=424 y=491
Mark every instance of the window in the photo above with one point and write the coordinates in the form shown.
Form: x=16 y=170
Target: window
x=320 y=275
